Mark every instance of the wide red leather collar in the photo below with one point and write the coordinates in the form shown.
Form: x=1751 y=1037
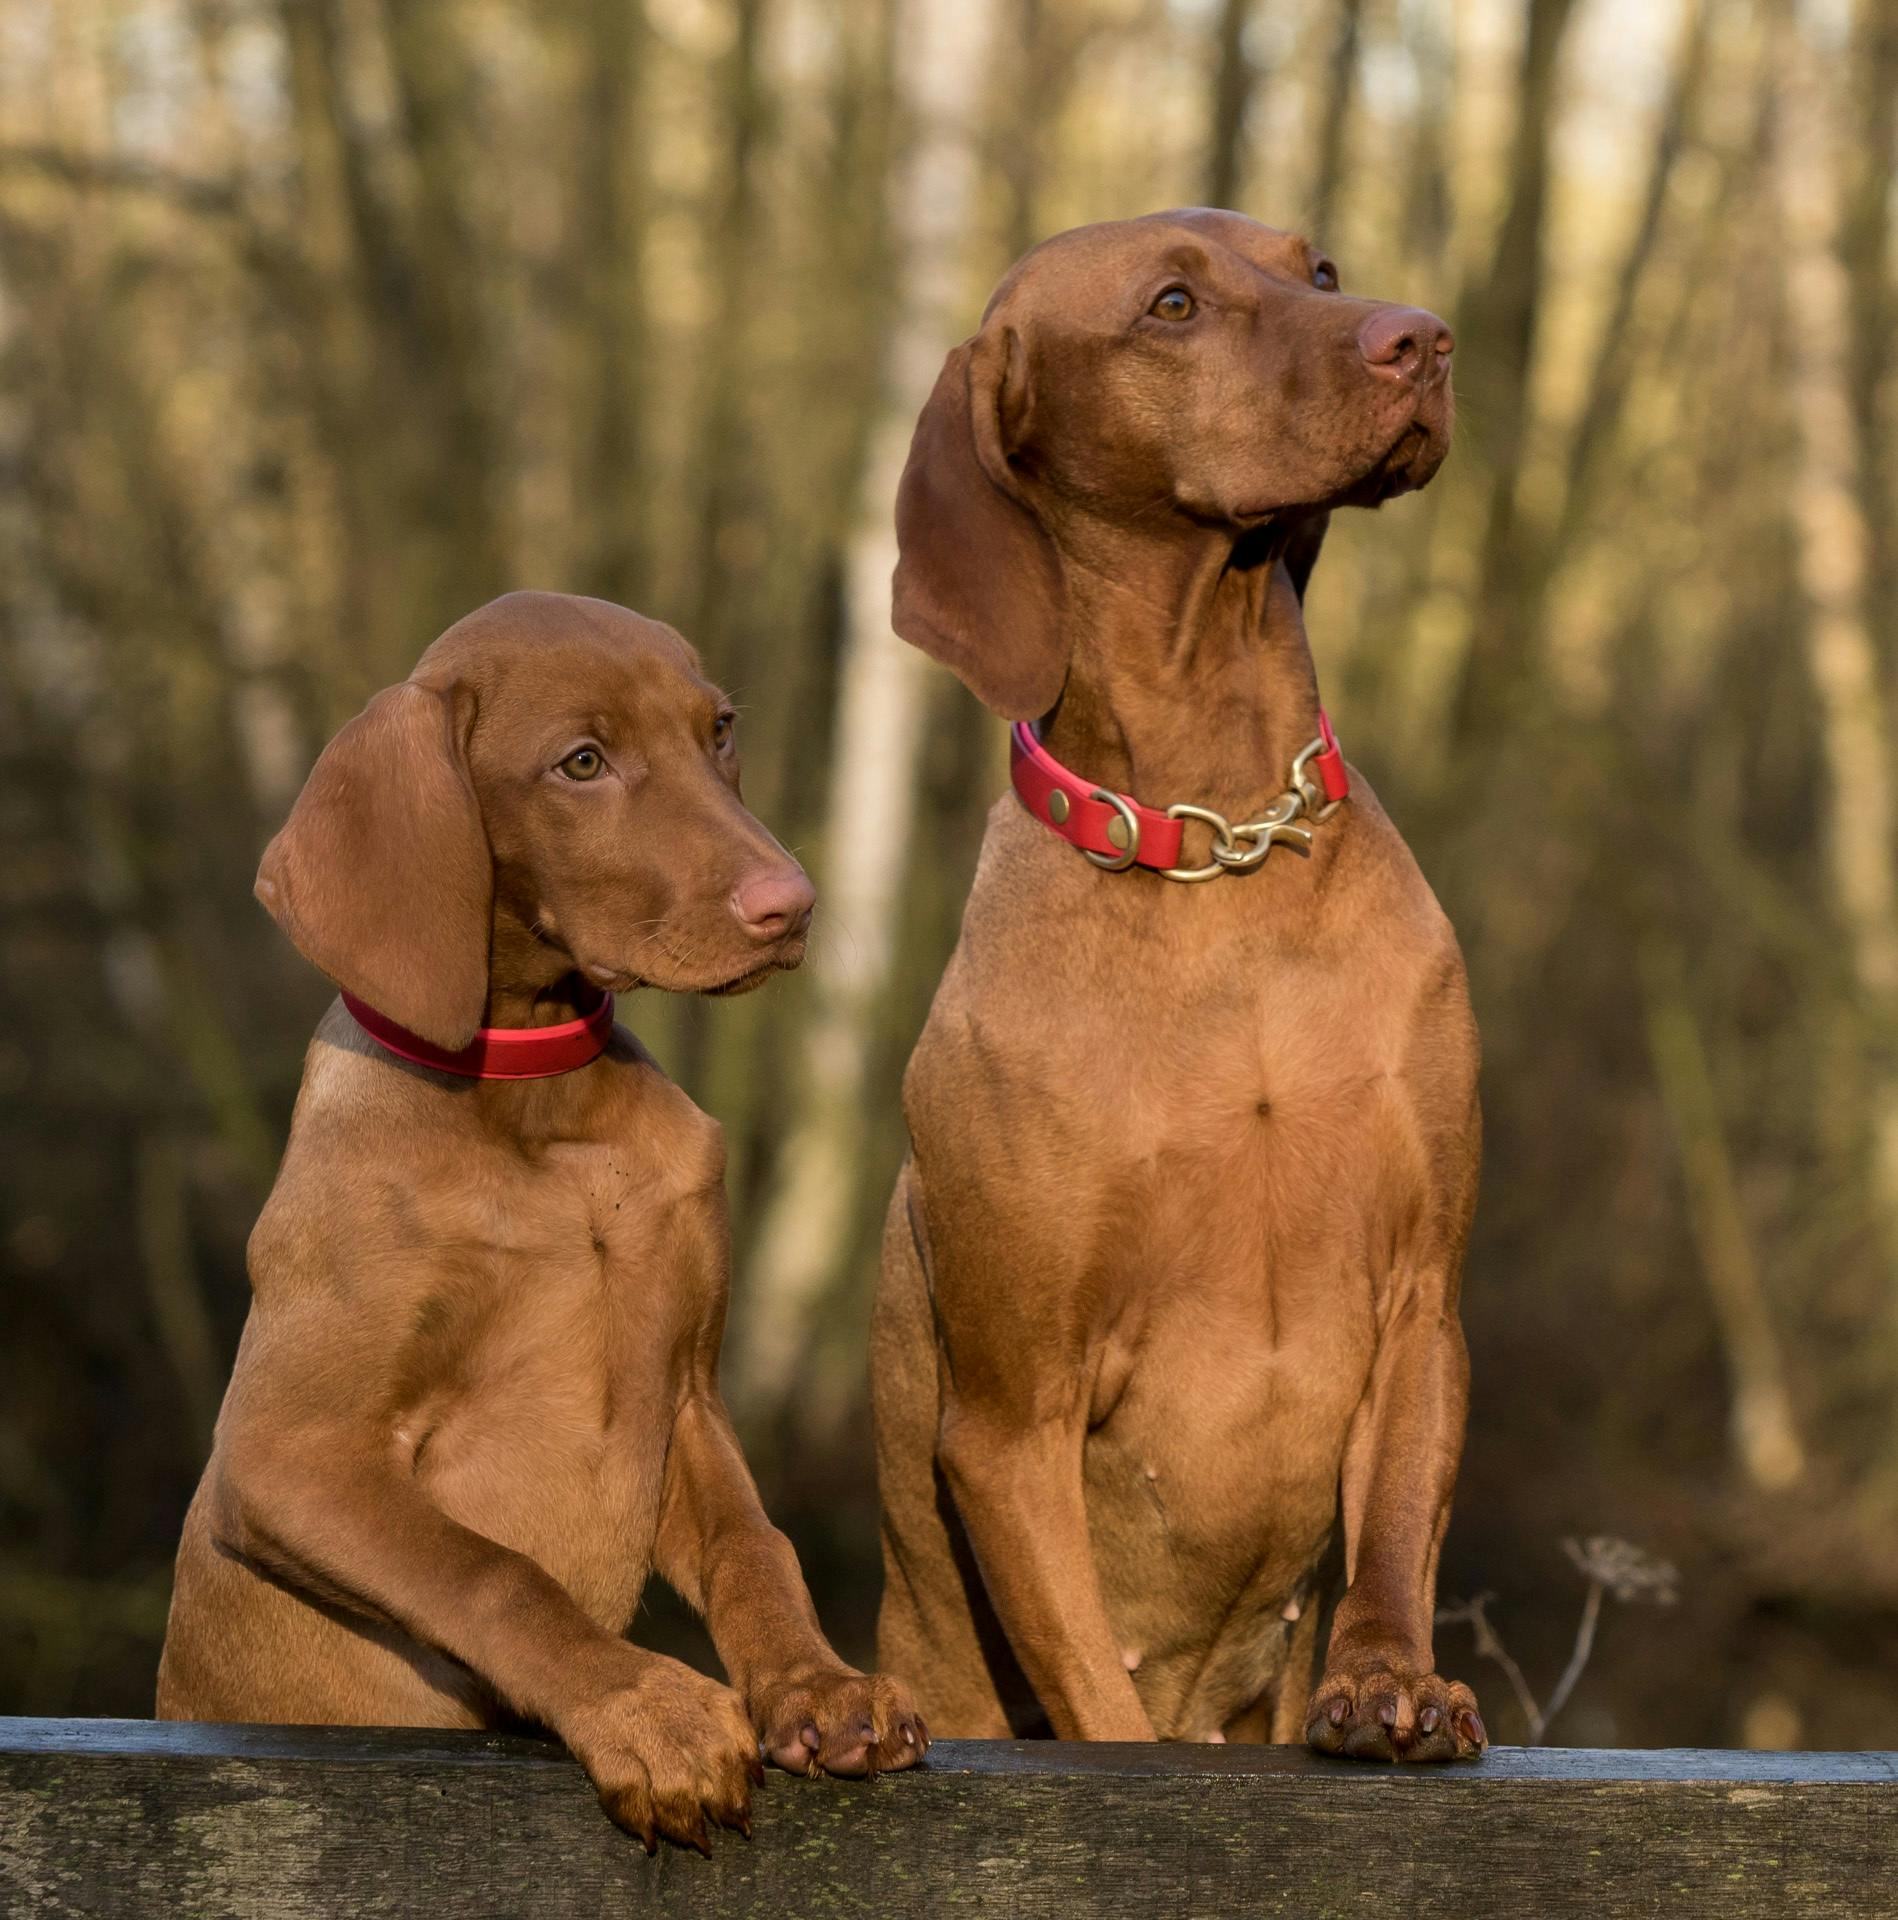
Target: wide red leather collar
x=498 y=1053
x=1102 y=823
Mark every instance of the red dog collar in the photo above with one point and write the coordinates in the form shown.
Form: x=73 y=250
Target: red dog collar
x=498 y=1053
x=1116 y=831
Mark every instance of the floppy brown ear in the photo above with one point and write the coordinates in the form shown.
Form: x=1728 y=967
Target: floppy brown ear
x=382 y=875
x=977 y=582
x=1305 y=536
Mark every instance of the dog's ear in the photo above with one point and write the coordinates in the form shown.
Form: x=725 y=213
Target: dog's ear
x=382 y=874
x=977 y=582
x=1302 y=541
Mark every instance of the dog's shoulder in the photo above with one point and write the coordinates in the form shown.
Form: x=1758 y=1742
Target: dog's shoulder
x=644 y=1110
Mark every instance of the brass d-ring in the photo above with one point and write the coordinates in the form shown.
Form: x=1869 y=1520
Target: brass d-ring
x=1222 y=837
x=1111 y=863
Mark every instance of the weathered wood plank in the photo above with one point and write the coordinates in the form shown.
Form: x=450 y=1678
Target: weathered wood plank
x=128 y=1818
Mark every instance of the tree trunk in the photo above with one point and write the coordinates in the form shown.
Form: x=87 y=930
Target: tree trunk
x=610 y=199
x=1607 y=389
x=1334 y=118
x=1497 y=337
x=1865 y=241
x=806 y=1230
x=1833 y=542
x=1764 y=1433
x=1234 y=80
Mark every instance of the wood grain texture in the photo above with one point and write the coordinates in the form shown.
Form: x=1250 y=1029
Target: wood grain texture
x=127 y=1818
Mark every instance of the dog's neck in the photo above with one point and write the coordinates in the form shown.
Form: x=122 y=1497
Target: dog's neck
x=530 y=983
x=1190 y=676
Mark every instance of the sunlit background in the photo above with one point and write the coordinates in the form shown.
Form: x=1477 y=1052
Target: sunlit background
x=323 y=320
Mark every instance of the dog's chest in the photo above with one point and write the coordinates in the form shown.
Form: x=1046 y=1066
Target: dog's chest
x=1237 y=1143
x=550 y=1374
x=1262 y=1184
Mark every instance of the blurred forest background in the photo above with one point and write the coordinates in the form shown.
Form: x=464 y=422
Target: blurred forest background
x=323 y=320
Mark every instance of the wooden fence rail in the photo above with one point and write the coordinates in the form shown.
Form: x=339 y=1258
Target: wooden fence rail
x=127 y=1818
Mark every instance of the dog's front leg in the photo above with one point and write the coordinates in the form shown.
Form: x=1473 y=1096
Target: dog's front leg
x=1016 y=1367
x=718 y=1550
x=1380 y=1697
x=1018 y=1489
x=812 y=1713
x=323 y=1504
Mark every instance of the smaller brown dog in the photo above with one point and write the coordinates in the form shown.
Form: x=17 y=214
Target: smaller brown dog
x=477 y=1396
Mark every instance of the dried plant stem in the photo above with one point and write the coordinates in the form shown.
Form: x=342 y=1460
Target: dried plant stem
x=1610 y=1566
x=1489 y=1646
x=1577 y=1660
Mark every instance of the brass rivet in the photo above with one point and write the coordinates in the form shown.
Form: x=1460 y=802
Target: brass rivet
x=1057 y=806
x=1117 y=832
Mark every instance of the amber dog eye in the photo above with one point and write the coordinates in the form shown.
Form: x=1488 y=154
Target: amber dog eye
x=583 y=763
x=1175 y=304
x=722 y=730
x=1324 y=276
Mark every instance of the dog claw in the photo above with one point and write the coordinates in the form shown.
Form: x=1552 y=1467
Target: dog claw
x=1391 y=1713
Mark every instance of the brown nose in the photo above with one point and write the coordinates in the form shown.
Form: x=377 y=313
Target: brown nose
x=774 y=903
x=1406 y=343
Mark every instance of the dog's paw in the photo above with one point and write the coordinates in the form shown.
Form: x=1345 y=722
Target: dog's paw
x=668 y=1753
x=1380 y=1713
x=836 y=1720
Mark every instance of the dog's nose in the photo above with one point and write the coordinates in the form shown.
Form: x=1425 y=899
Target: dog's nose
x=775 y=903
x=1406 y=343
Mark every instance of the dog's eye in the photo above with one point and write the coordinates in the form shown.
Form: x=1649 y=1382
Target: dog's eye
x=1175 y=304
x=722 y=730
x=584 y=763
x=1324 y=276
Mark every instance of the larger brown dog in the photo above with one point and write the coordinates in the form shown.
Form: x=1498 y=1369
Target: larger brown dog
x=477 y=1394
x=1170 y=1278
